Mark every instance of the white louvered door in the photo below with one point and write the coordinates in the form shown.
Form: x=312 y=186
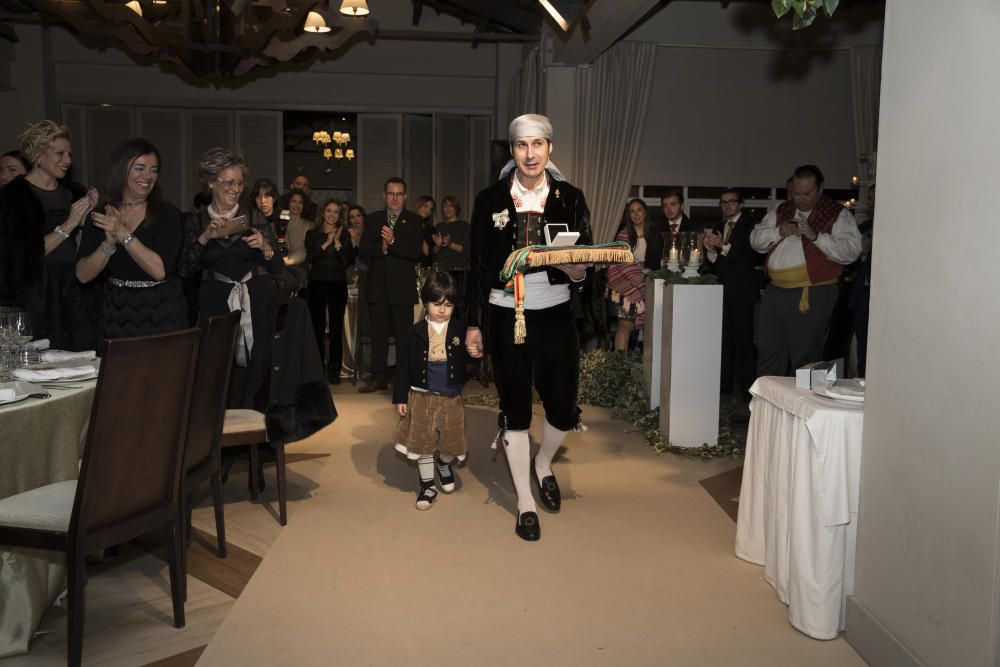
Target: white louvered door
x=480 y=137
x=259 y=136
x=106 y=128
x=380 y=156
x=164 y=128
x=206 y=128
x=451 y=164
x=418 y=157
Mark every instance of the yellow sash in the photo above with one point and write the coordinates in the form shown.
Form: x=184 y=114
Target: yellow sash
x=797 y=276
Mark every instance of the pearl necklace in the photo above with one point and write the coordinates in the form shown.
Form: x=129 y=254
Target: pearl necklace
x=224 y=215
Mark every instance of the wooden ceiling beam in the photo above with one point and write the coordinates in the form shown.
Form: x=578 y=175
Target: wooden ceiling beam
x=609 y=20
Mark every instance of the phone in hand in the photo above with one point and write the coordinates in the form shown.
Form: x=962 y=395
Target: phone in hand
x=237 y=225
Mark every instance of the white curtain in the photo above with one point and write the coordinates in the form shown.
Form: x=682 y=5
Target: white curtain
x=611 y=102
x=866 y=81
x=522 y=91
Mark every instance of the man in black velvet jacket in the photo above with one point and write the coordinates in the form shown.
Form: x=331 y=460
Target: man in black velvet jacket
x=736 y=264
x=509 y=215
x=391 y=243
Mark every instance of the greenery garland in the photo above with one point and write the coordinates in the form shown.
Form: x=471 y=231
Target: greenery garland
x=805 y=11
x=677 y=278
x=614 y=380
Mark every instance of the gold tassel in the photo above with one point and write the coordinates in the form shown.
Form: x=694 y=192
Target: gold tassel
x=520 y=327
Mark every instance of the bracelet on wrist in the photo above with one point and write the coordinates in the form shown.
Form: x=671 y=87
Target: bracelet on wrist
x=107 y=250
x=61 y=232
x=125 y=240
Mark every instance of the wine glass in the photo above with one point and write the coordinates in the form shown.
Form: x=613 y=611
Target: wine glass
x=21 y=323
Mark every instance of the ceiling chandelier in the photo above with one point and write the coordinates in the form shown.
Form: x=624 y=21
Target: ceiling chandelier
x=323 y=139
x=217 y=40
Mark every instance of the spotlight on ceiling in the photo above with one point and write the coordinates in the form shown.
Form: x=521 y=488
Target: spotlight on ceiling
x=565 y=12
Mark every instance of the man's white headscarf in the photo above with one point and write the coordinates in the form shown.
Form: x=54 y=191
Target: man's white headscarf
x=530 y=125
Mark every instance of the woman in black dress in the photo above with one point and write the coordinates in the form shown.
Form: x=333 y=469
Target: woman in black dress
x=40 y=218
x=277 y=369
x=235 y=269
x=135 y=242
x=329 y=252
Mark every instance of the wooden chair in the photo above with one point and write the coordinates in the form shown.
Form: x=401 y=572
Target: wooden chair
x=247 y=427
x=208 y=407
x=130 y=474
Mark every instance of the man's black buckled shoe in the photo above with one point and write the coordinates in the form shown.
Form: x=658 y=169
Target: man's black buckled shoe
x=548 y=491
x=527 y=527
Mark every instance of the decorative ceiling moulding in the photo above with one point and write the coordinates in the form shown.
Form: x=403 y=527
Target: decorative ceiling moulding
x=223 y=43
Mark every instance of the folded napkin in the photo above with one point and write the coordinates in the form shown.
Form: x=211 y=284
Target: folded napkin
x=61 y=355
x=849 y=389
x=50 y=374
x=42 y=344
x=7 y=394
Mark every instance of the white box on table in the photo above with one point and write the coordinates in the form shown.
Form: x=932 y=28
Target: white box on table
x=816 y=374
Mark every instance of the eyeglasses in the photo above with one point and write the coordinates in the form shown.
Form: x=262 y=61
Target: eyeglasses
x=395 y=194
x=231 y=184
x=726 y=202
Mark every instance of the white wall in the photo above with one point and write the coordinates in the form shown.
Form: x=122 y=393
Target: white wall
x=741 y=99
x=719 y=117
x=927 y=540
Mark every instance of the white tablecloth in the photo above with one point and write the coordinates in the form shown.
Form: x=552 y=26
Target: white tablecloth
x=41 y=441
x=799 y=500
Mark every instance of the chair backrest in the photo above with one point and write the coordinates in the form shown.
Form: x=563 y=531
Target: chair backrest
x=131 y=461
x=211 y=388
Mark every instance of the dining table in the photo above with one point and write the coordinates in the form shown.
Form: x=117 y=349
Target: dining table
x=41 y=442
x=798 y=504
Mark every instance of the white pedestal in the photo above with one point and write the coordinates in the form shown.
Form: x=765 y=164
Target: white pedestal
x=691 y=335
x=652 y=340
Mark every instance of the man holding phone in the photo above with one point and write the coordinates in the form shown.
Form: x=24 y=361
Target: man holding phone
x=808 y=241
x=508 y=215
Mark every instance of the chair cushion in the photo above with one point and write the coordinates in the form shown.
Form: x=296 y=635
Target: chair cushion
x=243 y=421
x=45 y=508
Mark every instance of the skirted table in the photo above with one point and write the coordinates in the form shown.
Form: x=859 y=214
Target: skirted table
x=799 y=500
x=41 y=442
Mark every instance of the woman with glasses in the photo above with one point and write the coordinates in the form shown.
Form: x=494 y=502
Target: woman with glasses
x=235 y=261
x=40 y=218
x=135 y=240
x=277 y=369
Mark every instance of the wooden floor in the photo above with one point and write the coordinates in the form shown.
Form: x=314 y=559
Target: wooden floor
x=128 y=618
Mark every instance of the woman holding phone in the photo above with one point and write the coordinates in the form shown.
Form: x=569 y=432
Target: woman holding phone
x=235 y=258
x=330 y=253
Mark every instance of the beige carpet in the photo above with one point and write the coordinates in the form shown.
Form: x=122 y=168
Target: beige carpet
x=637 y=569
